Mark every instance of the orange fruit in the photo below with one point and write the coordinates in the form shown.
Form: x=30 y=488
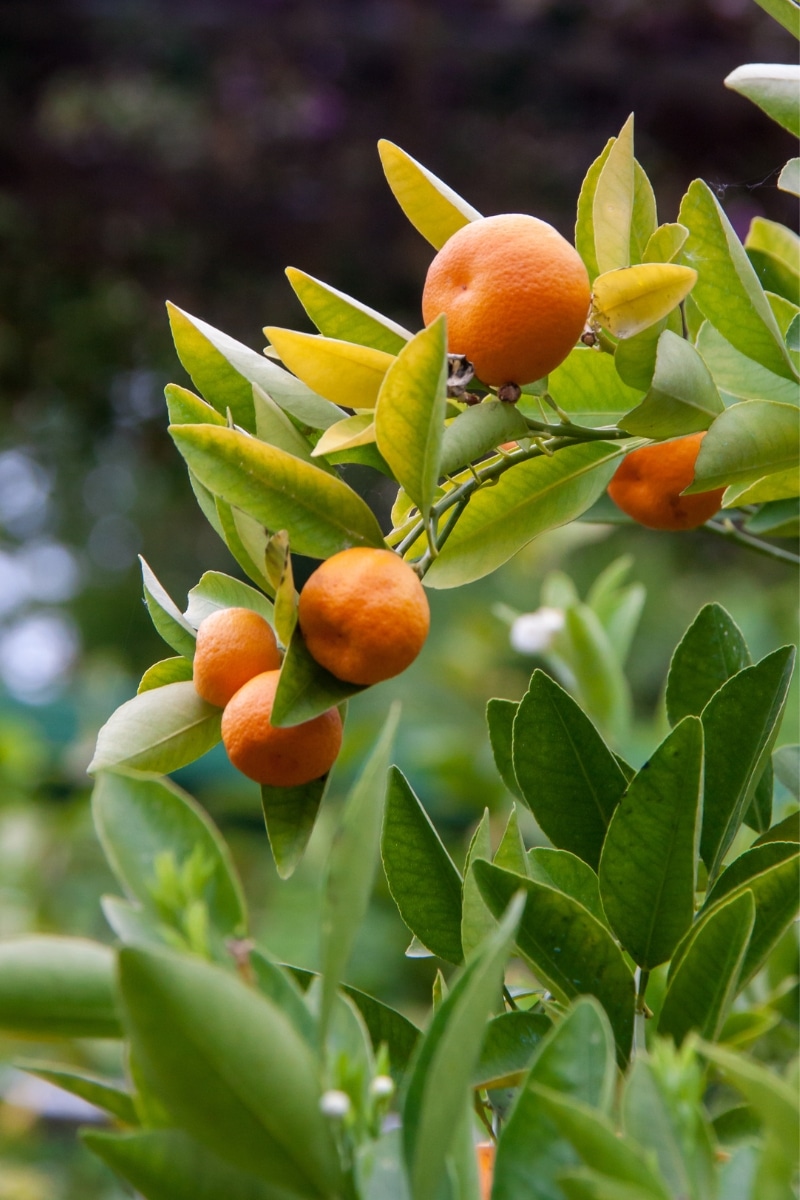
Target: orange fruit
x=486 y=1154
x=364 y=615
x=647 y=485
x=516 y=295
x=269 y=755
x=233 y=645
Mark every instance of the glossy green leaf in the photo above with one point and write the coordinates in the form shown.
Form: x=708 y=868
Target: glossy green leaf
x=746 y=442
x=274 y=427
x=649 y=862
x=584 y=225
x=773 y=1098
x=635 y=357
x=511 y=852
x=430 y=205
x=230 y=1069
x=740 y=724
x=789 y=178
x=576 y=1058
x=216 y=590
x=306 y=689
x=780 y=485
x=644 y=218
x=477 y=921
x=168 y=670
x=570 y=951
x=337 y=315
x=510 y=1042
x=409 y=414
x=138 y=820
x=778 y=518
x=709 y=653
x=773 y=87
x=728 y=291
x=530 y=498
x=352 y=865
x=112 y=1097
x=500 y=716
x=703 y=987
x=738 y=376
x=682 y=398
x=290 y=815
x=446 y=1058
x=185 y=408
x=569 y=874
x=321 y=514
x=665 y=243
x=358 y=430
x=244 y=537
x=165 y=1164
x=627 y=300
x=612 y=203
x=569 y=778
x=477 y=430
x=388 y=1027
x=57 y=987
x=343 y=372
x=159 y=731
x=752 y=862
x=167 y=618
x=787 y=830
x=423 y=879
x=587 y=386
x=774 y=251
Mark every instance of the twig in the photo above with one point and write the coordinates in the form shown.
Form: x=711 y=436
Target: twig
x=728 y=530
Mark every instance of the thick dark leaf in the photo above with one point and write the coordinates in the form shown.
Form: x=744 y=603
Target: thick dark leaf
x=709 y=653
x=289 y=814
x=567 y=873
x=510 y=1042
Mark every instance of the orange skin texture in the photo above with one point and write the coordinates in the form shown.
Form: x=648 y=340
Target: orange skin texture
x=364 y=615
x=516 y=295
x=233 y=645
x=486 y=1154
x=277 y=757
x=647 y=485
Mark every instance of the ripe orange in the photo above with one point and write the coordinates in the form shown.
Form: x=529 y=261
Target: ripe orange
x=233 y=645
x=647 y=485
x=278 y=757
x=364 y=615
x=486 y=1155
x=516 y=295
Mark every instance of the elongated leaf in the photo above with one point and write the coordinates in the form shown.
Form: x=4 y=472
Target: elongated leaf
x=585 y=1184
x=773 y=1098
x=477 y=430
x=230 y=1069
x=511 y=852
x=321 y=514
x=665 y=243
x=343 y=372
x=568 y=777
x=612 y=205
x=510 y=1042
x=657 y=1122
x=530 y=498
x=649 y=861
x=477 y=921
x=628 y=300
x=409 y=415
x=786 y=761
x=709 y=653
x=596 y=667
x=787 y=830
x=445 y=1060
x=159 y=730
x=683 y=397
x=584 y=224
x=246 y=540
x=774 y=251
x=500 y=716
x=57 y=987
x=137 y=820
x=773 y=87
x=703 y=987
x=746 y=442
x=185 y=408
x=165 y=1164
x=339 y=316
x=103 y=1093
x=274 y=427
x=644 y=218
x=588 y=387
x=744 y=714
x=168 y=670
x=728 y=292
x=576 y=1058
x=569 y=949
x=430 y=205
x=306 y=689
x=569 y=874
x=278 y=984
x=753 y=862
x=780 y=485
x=168 y=619
x=422 y=877
x=352 y=865
x=738 y=376
x=358 y=430
x=290 y=815
x=216 y=590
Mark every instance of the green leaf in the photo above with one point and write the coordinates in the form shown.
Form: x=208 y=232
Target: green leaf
x=612 y=204
x=165 y=1164
x=530 y=498
x=746 y=442
x=343 y=372
x=103 y=1093
x=702 y=988
x=739 y=376
x=773 y=1098
x=278 y=566
x=683 y=397
x=409 y=414
x=321 y=514
x=665 y=243
x=789 y=178
x=477 y=430
x=279 y=985
x=306 y=689
x=570 y=951
x=159 y=731
x=584 y=225
x=137 y=820
x=510 y=1042
x=649 y=862
x=728 y=291
x=477 y=921
x=569 y=778
x=274 y=427
x=783 y=11
x=569 y=874
x=244 y=537
x=710 y=652
x=290 y=815
x=386 y=1027
x=787 y=830
x=588 y=387
x=596 y=668
x=230 y=1069
x=380 y=1169
x=422 y=877
x=628 y=300
x=430 y=205
x=352 y=865
x=644 y=219
x=339 y=316
x=167 y=618
x=446 y=1058
x=585 y=1184
x=216 y=590
x=576 y=1058
x=511 y=852
x=740 y=724
x=752 y=862
x=635 y=357
x=780 y=485
x=57 y=987
x=774 y=251
x=779 y=518
x=168 y=670
x=500 y=716
x=786 y=761
x=655 y=1116
x=773 y=87
x=185 y=408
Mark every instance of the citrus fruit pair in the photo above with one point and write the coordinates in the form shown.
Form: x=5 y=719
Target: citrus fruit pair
x=648 y=483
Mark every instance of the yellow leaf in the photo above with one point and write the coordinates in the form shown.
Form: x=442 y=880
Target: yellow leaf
x=342 y=372
x=631 y=299
x=352 y=431
x=430 y=205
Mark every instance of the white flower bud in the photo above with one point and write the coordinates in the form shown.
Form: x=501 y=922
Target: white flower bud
x=534 y=632
x=334 y=1103
x=381 y=1086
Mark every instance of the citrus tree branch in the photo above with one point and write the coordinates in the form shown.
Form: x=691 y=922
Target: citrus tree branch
x=725 y=528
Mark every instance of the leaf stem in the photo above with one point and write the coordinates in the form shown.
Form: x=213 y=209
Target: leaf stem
x=509 y=999
x=640 y=1012
x=726 y=529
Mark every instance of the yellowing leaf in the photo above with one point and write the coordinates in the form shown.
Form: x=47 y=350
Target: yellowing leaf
x=342 y=372
x=339 y=316
x=352 y=431
x=612 y=207
x=430 y=205
x=780 y=485
x=631 y=299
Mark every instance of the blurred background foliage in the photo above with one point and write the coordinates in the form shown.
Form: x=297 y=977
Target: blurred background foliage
x=192 y=151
